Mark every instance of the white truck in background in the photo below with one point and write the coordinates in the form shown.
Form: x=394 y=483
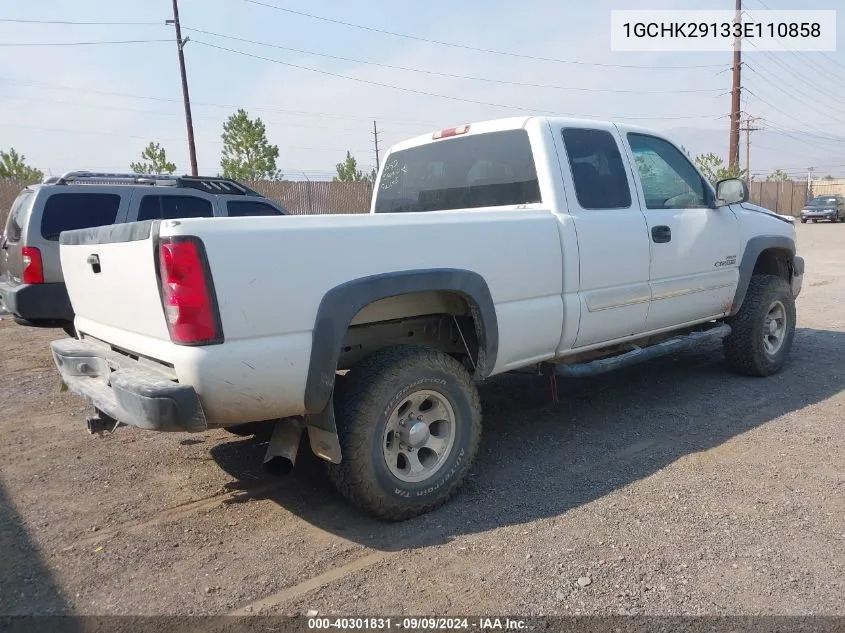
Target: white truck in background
x=576 y=245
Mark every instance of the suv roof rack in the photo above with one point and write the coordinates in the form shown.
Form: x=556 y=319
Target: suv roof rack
x=225 y=186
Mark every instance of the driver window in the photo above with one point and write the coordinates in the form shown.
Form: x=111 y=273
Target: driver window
x=669 y=180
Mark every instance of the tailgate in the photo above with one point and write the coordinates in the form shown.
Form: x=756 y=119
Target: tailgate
x=111 y=279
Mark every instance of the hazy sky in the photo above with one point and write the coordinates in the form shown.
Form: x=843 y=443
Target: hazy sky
x=62 y=107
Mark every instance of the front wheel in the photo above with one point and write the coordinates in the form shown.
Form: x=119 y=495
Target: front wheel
x=803 y=220
x=763 y=329
x=409 y=424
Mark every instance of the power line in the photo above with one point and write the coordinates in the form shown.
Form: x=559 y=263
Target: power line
x=801 y=58
x=433 y=94
x=208 y=117
x=475 y=48
x=257 y=108
x=169 y=139
x=68 y=22
x=34 y=44
x=448 y=75
x=792 y=72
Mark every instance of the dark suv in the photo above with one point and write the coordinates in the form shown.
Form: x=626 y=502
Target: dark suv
x=828 y=208
x=32 y=288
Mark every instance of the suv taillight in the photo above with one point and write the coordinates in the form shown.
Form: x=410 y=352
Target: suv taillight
x=33 y=268
x=187 y=292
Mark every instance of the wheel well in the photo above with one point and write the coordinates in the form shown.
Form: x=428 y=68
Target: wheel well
x=444 y=320
x=774 y=261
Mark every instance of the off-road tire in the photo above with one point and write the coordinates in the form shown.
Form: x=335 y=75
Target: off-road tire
x=363 y=402
x=744 y=349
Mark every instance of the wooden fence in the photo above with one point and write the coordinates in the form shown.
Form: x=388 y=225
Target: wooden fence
x=786 y=197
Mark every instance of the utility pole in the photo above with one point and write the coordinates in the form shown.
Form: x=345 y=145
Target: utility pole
x=375 y=139
x=733 y=153
x=810 y=171
x=189 y=122
x=748 y=130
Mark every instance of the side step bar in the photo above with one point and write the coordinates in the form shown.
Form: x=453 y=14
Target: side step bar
x=604 y=365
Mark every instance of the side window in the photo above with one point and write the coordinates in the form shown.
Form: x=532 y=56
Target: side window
x=174 y=208
x=244 y=208
x=669 y=180
x=70 y=211
x=17 y=216
x=597 y=169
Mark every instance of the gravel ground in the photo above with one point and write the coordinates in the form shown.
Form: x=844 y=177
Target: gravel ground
x=670 y=488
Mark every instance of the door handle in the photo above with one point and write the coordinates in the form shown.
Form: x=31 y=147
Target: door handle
x=661 y=234
x=94 y=261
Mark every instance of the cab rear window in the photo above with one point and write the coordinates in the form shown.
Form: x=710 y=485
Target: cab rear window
x=70 y=211
x=484 y=170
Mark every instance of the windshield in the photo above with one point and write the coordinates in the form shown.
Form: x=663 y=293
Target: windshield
x=485 y=170
x=822 y=202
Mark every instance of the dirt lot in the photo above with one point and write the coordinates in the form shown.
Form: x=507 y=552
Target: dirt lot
x=671 y=488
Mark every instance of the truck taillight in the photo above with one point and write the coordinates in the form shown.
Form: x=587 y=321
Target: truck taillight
x=187 y=292
x=33 y=267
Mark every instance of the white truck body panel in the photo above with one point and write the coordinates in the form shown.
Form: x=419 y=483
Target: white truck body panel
x=562 y=278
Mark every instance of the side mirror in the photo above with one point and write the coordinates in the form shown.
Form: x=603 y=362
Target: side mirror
x=731 y=191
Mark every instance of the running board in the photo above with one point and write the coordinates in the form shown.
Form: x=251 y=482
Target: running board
x=604 y=365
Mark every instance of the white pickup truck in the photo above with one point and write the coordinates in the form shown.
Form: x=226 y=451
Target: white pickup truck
x=574 y=246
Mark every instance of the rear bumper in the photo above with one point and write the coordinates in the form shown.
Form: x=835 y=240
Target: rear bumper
x=126 y=389
x=36 y=302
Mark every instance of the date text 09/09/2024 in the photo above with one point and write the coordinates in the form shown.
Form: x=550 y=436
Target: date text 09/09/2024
x=417 y=624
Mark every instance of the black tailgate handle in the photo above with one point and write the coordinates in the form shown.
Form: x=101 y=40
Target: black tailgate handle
x=94 y=261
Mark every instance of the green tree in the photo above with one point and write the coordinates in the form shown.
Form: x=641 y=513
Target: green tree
x=247 y=154
x=348 y=171
x=829 y=177
x=713 y=168
x=153 y=161
x=13 y=166
x=778 y=175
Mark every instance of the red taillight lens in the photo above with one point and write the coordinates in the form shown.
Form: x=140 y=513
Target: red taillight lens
x=33 y=267
x=187 y=293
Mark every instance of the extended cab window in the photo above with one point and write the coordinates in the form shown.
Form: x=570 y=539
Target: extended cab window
x=482 y=170
x=174 y=208
x=669 y=179
x=244 y=208
x=597 y=169
x=70 y=211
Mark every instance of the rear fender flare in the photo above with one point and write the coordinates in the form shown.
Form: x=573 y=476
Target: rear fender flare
x=340 y=305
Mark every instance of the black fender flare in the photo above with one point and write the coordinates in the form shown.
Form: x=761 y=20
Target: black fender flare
x=753 y=248
x=340 y=305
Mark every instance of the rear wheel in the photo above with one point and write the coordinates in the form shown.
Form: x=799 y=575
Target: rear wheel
x=763 y=330
x=409 y=424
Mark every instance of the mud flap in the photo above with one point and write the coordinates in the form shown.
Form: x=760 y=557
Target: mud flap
x=322 y=433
